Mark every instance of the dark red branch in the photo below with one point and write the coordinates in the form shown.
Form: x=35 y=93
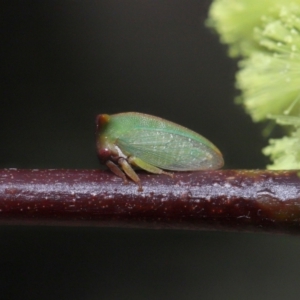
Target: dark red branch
x=222 y=200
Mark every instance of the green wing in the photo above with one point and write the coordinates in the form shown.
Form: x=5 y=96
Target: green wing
x=169 y=150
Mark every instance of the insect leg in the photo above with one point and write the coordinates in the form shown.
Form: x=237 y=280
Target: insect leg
x=147 y=167
x=116 y=170
x=130 y=172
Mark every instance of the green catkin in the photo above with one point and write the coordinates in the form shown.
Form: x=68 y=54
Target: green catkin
x=266 y=35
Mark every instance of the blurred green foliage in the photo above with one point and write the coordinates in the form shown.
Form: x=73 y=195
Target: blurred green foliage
x=265 y=36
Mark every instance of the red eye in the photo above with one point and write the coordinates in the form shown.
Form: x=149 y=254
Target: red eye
x=101 y=120
x=104 y=155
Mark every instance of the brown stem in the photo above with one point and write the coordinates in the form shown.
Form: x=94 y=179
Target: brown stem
x=225 y=199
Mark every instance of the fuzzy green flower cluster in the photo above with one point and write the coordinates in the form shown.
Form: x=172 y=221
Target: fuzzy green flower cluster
x=265 y=35
x=285 y=152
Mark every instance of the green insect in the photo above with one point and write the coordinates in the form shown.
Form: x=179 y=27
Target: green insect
x=151 y=143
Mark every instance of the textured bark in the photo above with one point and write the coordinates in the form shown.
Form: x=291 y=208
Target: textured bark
x=241 y=200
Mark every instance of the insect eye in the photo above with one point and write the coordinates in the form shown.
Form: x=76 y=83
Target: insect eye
x=104 y=155
x=101 y=120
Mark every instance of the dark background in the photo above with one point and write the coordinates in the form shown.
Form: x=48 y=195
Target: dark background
x=64 y=62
